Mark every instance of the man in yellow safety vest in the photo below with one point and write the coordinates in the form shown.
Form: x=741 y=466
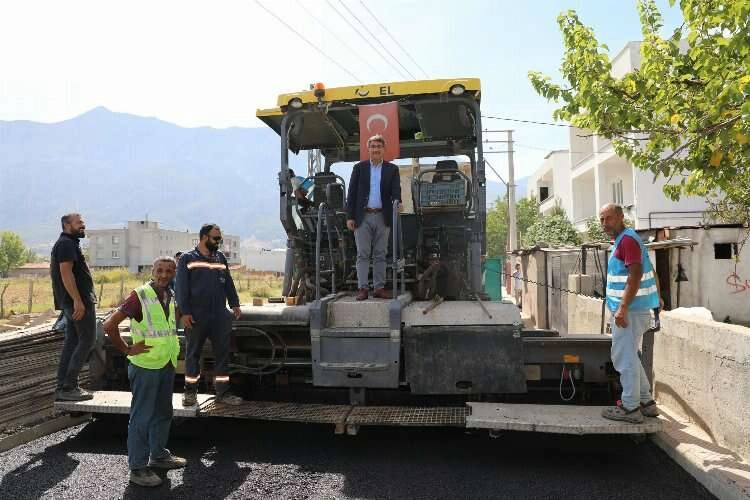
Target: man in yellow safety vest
x=153 y=358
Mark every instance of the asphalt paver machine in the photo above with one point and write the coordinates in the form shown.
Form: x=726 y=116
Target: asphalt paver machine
x=437 y=353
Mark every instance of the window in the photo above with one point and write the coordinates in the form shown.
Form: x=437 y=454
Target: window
x=543 y=193
x=99 y=241
x=725 y=250
x=617 y=192
x=99 y=254
x=115 y=240
x=115 y=254
x=195 y=241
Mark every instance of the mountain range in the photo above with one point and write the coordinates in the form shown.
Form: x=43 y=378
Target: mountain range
x=114 y=167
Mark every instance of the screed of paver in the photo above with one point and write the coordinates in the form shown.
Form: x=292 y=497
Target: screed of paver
x=558 y=419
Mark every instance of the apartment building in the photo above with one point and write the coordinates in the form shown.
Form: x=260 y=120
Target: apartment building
x=590 y=174
x=137 y=245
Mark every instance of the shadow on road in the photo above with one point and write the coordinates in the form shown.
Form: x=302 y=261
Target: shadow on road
x=41 y=472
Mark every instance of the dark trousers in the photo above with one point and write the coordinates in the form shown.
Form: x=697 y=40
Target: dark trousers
x=218 y=328
x=150 y=414
x=79 y=340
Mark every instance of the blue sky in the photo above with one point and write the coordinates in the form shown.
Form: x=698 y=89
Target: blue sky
x=213 y=63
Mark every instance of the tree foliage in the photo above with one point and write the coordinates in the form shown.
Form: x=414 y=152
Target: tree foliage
x=497 y=228
x=684 y=113
x=555 y=230
x=527 y=213
x=595 y=233
x=13 y=253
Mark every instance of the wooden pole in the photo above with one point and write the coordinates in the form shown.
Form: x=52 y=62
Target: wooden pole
x=2 y=302
x=31 y=295
x=122 y=289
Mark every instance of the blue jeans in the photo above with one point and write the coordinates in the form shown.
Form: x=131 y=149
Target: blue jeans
x=626 y=342
x=150 y=414
x=218 y=328
x=79 y=340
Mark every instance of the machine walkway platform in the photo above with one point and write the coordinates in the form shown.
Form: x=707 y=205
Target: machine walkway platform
x=554 y=419
x=557 y=419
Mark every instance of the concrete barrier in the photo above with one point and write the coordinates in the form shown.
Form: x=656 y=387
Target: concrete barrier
x=701 y=370
x=585 y=314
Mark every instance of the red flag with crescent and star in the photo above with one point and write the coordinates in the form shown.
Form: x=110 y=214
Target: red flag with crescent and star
x=379 y=119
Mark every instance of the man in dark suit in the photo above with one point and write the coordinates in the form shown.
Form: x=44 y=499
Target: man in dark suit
x=372 y=188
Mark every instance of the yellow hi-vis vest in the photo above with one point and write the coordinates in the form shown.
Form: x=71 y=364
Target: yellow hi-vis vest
x=158 y=331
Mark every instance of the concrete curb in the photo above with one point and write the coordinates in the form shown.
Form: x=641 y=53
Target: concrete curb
x=720 y=470
x=48 y=427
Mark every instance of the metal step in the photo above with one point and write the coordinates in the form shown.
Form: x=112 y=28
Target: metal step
x=347 y=312
x=118 y=402
x=355 y=332
x=556 y=419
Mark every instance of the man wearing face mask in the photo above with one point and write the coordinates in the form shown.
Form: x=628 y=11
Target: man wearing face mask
x=204 y=285
x=73 y=290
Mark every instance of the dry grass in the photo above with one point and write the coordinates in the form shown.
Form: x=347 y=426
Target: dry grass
x=110 y=291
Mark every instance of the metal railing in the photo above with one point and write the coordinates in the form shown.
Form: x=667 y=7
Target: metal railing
x=323 y=211
x=398 y=257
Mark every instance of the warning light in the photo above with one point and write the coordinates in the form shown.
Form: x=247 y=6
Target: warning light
x=319 y=90
x=571 y=358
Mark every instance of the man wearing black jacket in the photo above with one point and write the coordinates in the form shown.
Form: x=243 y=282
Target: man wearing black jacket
x=373 y=187
x=204 y=286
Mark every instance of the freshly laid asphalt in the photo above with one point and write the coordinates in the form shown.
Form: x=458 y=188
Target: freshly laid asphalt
x=247 y=459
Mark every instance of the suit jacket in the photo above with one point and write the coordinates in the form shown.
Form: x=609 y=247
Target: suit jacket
x=359 y=191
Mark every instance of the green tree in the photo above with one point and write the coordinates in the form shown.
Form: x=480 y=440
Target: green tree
x=32 y=256
x=527 y=213
x=684 y=114
x=497 y=228
x=555 y=230
x=13 y=253
x=595 y=233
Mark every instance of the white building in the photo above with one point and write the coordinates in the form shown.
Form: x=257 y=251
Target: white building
x=137 y=245
x=595 y=175
x=550 y=184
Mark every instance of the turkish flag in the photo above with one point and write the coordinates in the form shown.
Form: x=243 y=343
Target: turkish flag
x=379 y=119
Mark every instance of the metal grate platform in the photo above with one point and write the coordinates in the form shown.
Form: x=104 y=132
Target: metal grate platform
x=408 y=416
x=288 y=412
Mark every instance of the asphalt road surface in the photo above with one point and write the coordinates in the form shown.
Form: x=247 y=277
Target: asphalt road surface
x=246 y=459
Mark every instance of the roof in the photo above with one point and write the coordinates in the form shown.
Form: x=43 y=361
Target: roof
x=381 y=91
x=34 y=265
x=673 y=243
x=432 y=121
x=653 y=245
